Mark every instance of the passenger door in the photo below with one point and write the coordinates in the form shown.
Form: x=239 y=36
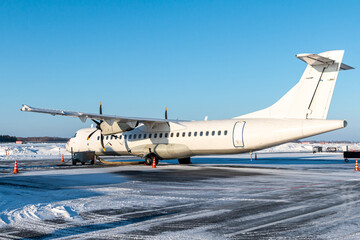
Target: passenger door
x=238 y=134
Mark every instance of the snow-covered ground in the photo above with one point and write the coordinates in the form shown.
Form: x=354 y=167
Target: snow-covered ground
x=287 y=193
x=310 y=201
x=30 y=151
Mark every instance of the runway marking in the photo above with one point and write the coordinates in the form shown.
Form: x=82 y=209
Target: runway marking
x=289 y=219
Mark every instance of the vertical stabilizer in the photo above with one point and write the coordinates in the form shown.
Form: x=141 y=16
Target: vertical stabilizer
x=310 y=98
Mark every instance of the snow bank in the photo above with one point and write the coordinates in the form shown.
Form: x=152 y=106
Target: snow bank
x=10 y=151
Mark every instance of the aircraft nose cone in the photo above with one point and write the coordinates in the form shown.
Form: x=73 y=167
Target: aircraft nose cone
x=68 y=147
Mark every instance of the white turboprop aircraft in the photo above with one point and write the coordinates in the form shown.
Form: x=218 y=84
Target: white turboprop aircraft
x=300 y=113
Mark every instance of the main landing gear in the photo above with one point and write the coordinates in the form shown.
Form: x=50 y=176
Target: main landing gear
x=150 y=158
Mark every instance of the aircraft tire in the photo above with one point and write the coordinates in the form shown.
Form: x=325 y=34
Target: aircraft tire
x=73 y=161
x=148 y=160
x=184 y=160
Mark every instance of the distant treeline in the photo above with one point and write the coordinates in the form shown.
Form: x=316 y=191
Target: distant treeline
x=42 y=139
x=7 y=138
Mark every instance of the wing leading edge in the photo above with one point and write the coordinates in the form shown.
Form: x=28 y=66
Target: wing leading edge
x=112 y=124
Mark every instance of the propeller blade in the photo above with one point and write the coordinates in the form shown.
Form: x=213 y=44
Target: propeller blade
x=91 y=134
x=97 y=123
x=100 y=108
x=102 y=142
x=166 y=113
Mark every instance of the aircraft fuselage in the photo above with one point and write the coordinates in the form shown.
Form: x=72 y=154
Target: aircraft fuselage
x=186 y=139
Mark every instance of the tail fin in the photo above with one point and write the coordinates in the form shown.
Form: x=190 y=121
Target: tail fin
x=310 y=98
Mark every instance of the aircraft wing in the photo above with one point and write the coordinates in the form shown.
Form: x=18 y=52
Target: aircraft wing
x=110 y=123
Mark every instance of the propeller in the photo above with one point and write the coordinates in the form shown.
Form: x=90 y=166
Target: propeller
x=166 y=113
x=98 y=128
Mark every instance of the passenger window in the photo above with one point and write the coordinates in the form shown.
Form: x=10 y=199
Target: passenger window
x=183 y=134
x=160 y=135
x=144 y=135
x=98 y=138
x=177 y=134
x=195 y=134
x=219 y=133
x=120 y=137
x=207 y=133
x=149 y=135
x=134 y=136
x=171 y=134
x=139 y=136
x=107 y=137
x=225 y=132
x=125 y=136
x=213 y=133
x=130 y=136
x=155 y=135
x=201 y=133
x=166 y=135
x=189 y=134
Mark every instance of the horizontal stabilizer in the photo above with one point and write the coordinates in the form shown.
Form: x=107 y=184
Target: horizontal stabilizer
x=345 y=67
x=315 y=60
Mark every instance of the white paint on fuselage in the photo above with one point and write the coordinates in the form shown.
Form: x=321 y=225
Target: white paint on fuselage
x=256 y=134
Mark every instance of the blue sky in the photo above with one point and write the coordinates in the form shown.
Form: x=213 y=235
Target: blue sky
x=215 y=58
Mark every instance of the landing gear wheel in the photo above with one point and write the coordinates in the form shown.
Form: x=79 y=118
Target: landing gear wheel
x=184 y=160
x=92 y=162
x=148 y=160
x=73 y=161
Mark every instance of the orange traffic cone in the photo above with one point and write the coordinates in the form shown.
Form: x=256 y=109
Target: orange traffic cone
x=16 y=170
x=154 y=163
x=356 y=166
x=62 y=158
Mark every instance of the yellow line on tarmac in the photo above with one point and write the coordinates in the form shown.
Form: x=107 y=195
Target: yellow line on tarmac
x=119 y=163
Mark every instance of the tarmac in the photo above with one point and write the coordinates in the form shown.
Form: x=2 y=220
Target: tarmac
x=280 y=196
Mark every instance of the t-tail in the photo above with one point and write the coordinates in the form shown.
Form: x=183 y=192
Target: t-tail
x=310 y=98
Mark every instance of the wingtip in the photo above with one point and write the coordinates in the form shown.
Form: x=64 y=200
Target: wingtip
x=25 y=108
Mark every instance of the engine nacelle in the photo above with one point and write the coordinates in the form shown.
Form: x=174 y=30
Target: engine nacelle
x=116 y=127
